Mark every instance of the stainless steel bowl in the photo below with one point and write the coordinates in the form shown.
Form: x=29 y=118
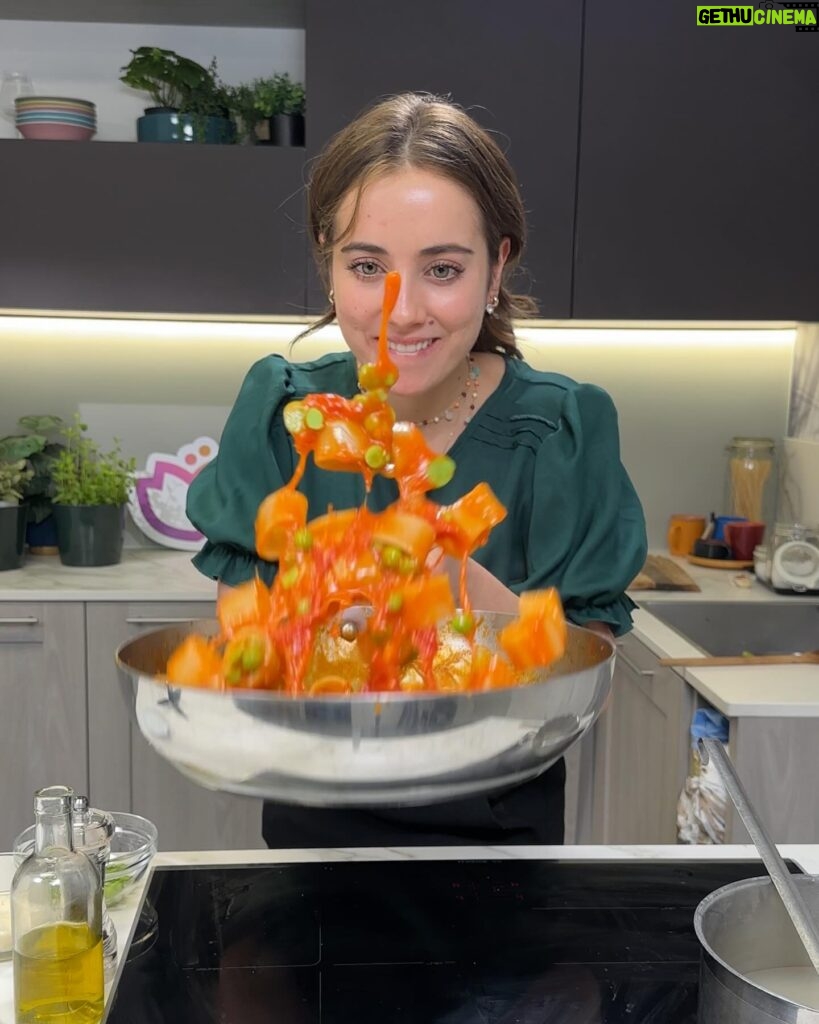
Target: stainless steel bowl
x=369 y=749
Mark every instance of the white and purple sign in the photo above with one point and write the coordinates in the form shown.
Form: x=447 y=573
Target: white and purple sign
x=157 y=501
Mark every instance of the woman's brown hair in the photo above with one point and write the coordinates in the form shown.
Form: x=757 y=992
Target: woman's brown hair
x=427 y=132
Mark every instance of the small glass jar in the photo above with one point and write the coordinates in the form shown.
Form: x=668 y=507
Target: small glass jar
x=750 y=479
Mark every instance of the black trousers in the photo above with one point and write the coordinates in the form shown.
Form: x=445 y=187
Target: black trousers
x=530 y=814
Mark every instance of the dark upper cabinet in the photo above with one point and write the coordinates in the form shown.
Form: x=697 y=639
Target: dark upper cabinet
x=152 y=228
x=699 y=155
x=514 y=65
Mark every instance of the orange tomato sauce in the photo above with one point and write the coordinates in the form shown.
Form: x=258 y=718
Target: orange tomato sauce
x=293 y=637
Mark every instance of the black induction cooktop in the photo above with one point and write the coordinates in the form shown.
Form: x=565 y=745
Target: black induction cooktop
x=420 y=942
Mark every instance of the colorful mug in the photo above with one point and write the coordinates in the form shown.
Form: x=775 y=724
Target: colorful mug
x=683 y=531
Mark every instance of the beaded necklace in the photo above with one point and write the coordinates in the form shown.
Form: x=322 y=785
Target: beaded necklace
x=470 y=392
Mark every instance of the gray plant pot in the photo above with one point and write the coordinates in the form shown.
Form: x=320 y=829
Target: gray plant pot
x=89 y=535
x=12 y=536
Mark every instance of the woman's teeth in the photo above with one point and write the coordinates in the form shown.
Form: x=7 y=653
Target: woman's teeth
x=407 y=350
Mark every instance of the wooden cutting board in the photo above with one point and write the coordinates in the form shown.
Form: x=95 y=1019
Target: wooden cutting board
x=661 y=573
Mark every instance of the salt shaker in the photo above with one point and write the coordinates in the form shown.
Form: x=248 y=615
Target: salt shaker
x=56 y=922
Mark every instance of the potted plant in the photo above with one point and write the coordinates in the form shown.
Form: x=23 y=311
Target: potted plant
x=39 y=447
x=14 y=473
x=90 y=493
x=191 y=103
x=271 y=110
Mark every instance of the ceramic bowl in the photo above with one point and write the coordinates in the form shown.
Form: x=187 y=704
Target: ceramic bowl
x=56 y=131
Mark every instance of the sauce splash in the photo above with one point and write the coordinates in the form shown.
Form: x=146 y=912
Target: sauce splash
x=293 y=636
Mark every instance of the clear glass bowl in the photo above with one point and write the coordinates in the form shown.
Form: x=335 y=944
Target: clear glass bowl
x=133 y=844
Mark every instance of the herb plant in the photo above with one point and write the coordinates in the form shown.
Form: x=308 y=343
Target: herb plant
x=85 y=475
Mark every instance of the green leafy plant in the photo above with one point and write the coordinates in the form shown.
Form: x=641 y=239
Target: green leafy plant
x=13 y=478
x=169 y=79
x=38 y=448
x=180 y=84
x=85 y=475
x=255 y=101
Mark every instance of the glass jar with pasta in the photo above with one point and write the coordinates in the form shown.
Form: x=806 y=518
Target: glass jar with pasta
x=751 y=479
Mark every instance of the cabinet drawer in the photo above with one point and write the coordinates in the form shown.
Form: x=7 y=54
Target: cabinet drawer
x=21 y=623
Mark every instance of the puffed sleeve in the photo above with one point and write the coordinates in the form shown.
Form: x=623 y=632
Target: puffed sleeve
x=254 y=459
x=587 y=533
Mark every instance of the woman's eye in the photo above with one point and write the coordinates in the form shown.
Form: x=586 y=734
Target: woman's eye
x=444 y=271
x=367 y=268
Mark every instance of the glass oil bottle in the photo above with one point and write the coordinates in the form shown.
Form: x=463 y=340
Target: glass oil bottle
x=56 y=920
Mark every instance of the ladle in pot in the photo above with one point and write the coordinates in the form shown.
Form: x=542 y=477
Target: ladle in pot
x=780 y=876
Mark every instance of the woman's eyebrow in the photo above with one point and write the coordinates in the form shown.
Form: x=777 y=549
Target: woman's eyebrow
x=430 y=250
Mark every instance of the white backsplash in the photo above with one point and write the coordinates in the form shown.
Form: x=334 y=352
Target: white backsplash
x=681 y=391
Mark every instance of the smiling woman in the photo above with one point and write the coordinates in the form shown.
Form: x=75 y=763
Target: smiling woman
x=414 y=185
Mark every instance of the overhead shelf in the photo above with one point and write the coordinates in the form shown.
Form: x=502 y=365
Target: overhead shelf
x=217 y=13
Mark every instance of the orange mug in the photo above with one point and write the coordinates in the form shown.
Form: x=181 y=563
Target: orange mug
x=743 y=537
x=683 y=531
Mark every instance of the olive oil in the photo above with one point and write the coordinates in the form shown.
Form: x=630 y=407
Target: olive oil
x=58 y=975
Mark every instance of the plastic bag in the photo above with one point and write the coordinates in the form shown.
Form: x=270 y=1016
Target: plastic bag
x=702 y=804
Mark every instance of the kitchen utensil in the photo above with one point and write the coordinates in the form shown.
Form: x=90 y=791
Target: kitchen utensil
x=792 y=899
x=660 y=573
x=710 y=661
x=746 y=930
x=367 y=749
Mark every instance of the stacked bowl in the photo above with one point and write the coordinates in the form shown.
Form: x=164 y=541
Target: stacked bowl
x=55 y=117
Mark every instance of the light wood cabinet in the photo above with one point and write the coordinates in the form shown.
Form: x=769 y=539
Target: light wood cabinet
x=125 y=772
x=626 y=775
x=43 y=728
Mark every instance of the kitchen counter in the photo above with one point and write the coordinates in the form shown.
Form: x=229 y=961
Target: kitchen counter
x=144 y=574
x=807 y=857
x=758 y=691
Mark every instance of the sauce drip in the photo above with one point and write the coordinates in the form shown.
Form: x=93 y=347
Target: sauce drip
x=294 y=636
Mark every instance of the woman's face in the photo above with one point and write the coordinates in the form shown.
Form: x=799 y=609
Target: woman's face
x=429 y=229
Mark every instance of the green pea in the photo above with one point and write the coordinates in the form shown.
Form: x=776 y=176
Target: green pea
x=303 y=607
x=462 y=622
x=303 y=539
x=314 y=419
x=253 y=654
x=391 y=557
x=368 y=376
x=375 y=457
x=290 y=578
x=407 y=565
x=395 y=602
x=441 y=470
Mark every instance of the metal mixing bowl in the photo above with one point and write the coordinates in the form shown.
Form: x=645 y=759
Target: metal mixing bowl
x=366 y=749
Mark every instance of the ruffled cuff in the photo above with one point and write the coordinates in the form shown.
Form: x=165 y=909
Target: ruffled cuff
x=232 y=565
x=616 y=613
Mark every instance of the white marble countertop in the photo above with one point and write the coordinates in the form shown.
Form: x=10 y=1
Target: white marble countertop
x=124 y=916
x=160 y=574
x=144 y=574
x=781 y=691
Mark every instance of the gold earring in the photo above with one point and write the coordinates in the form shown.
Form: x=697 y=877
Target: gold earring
x=492 y=305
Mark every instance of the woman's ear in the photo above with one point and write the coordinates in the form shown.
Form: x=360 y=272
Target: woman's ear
x=499 y=264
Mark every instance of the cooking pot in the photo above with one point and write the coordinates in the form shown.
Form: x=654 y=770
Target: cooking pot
x=743 y=928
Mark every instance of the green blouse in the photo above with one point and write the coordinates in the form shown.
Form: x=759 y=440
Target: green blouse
x=546 y=445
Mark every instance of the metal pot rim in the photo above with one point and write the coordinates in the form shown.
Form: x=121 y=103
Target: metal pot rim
x=738 y=984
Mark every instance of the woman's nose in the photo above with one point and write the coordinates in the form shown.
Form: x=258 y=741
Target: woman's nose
x=408 y=308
